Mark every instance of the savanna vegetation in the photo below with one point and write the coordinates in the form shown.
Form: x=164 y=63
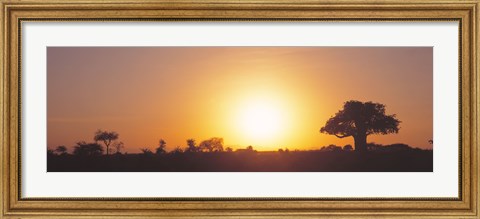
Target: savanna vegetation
x=357 y=120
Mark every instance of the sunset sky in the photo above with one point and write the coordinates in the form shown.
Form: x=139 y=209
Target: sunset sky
x=267 y=97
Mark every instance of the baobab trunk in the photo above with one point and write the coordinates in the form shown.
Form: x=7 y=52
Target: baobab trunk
x=360 y=142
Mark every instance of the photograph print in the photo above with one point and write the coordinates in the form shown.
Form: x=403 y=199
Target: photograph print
x=240 y=109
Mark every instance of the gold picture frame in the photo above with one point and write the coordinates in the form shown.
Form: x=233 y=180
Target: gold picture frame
x=14 y=12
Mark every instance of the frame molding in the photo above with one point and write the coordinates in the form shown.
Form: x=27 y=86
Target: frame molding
x=14 y=12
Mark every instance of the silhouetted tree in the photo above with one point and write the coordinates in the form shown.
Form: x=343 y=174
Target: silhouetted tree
x=228 y=149
x=280 y=150
x=191 y=145
x=106 y=137
x=61 y=150
x=118 y=147
x=87 y=149
x=358 y=120
x=162 y=145
x=211 y=145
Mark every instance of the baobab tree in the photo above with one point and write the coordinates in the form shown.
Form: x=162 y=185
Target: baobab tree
x=106 y=137
x=359 y=120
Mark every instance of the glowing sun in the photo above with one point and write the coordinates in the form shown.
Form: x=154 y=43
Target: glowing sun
x=261 y=120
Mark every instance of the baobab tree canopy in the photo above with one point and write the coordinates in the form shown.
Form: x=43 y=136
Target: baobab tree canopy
x=358 y=120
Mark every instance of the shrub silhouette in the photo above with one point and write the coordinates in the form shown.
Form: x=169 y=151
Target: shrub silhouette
x=178 y=150
x=146 y=151
x=87 y=149
x=212 y=145
x=358 y=120
x=61 y=150
x=248 y=149
x=348 y=147
x=331 y=148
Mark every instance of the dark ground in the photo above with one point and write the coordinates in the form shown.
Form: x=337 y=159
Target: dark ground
x=294 y=161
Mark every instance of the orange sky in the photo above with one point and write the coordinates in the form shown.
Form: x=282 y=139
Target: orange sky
x=268 y=97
